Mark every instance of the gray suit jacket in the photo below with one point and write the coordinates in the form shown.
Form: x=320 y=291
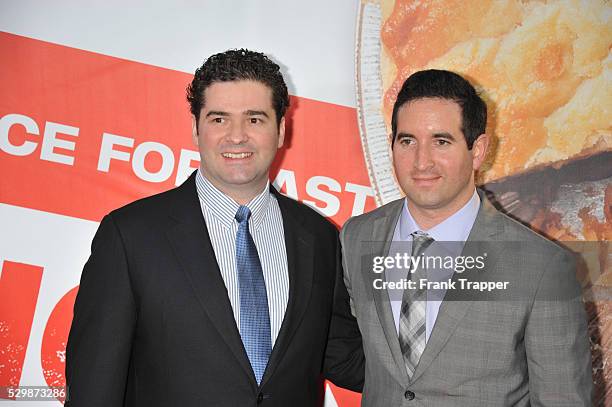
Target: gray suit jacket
x=523 y=346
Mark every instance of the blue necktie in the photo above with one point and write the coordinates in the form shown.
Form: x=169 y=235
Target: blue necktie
x=254 y=314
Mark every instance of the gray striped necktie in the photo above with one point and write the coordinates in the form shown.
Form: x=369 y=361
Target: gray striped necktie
x=414 y=304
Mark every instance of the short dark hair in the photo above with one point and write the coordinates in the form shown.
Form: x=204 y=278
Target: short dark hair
x=238 y=65
x=436 y=83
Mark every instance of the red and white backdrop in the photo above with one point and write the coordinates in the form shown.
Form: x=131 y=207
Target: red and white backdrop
x=93 y=115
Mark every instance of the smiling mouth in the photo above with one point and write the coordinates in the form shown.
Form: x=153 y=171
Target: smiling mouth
x=236 y=156
x=425 y=180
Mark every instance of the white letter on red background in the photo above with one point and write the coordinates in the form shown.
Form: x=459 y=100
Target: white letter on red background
x=140 y=154
x=286 y=178
x=332 y=201
x=361 y=193
x=184 y=165
x=27 y=147
x=50 y=142
x=107 y=153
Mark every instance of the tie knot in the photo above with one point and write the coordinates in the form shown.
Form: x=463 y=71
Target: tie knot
x=420 y=235
x=243 y=214
x=420 y=241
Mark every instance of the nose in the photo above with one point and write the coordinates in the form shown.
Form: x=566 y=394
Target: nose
x=237 y=133
x=423 y=157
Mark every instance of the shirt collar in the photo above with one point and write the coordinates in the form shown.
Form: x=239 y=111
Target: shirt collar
x=224 y=208
x=455 y=228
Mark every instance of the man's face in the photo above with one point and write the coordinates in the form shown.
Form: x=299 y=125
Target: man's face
x=238 y=136
x=432 y=162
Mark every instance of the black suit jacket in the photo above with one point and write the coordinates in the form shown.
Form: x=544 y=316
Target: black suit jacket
x=153 y=325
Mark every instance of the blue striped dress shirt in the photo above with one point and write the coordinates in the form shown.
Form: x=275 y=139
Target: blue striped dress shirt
x=266 y=226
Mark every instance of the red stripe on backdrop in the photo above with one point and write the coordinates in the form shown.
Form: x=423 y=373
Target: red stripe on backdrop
x=19 y=288
x=83 y=133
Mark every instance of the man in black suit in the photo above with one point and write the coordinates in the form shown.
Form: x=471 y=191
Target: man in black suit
x=211 y=294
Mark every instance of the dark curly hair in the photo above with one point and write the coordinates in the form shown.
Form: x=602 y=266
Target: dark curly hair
x=436 y=83
x=238 y=65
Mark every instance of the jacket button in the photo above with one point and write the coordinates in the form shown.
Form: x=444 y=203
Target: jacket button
x=409 y=395
x=260 y=398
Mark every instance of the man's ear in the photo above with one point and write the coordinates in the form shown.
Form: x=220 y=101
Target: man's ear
x=391 y=140
x=194 y=129
x=479 y=151
x=281 y=132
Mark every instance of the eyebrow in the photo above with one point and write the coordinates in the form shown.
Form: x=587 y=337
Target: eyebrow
x=216 y=113
x=248 y=113
x=444 y=135
x=256 y=113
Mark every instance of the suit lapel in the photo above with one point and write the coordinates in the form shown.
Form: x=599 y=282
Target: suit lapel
x=300 y=264
x=191 y=243
x=382 y=235
x=453 y=309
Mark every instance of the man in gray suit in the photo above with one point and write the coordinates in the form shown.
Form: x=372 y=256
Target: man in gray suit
x=509 y=332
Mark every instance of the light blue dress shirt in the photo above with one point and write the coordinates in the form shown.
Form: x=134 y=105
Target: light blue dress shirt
x=455 y=228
